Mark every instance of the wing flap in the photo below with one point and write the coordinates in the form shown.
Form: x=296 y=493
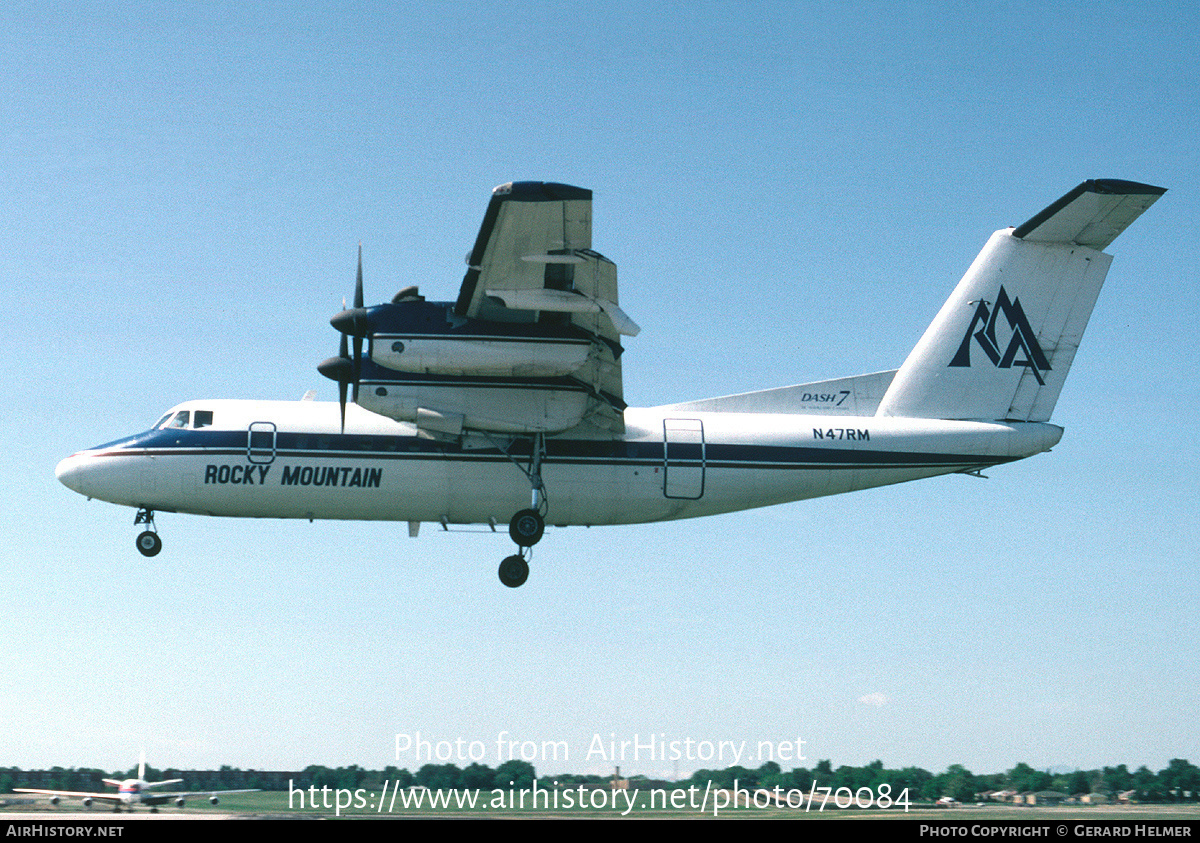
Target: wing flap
x=563 y=301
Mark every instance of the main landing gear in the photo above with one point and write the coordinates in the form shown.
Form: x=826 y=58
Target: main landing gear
x=525 y=528
x=148 y=542
x=528 y=525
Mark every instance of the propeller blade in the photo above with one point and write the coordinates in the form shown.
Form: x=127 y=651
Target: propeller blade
x=342 y=383
x=353 y=320
x=340 y=369
x=342 y=402
x=357 y=371
x=358 y=290
x=350 y=322
x=358 y=335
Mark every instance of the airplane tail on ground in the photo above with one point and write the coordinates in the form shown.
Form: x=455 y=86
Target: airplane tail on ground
x=1001 y=346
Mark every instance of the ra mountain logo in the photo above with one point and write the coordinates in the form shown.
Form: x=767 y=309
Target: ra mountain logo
x=1023 y=341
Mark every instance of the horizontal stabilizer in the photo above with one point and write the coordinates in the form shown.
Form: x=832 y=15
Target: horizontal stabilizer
x=1092 y=214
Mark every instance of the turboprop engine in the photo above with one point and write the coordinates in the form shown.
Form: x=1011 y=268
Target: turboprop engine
x=513 y=372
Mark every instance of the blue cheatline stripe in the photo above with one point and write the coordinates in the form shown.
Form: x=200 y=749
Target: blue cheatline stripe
x=398 y=380
x=387 y=336
x=618 y=453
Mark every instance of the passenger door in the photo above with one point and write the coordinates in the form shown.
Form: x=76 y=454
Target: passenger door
x=683 y=458
x=260 y=443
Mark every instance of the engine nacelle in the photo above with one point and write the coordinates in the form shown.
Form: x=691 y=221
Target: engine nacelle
x=546 y=407
x=87 y=801
x=179 y=802
x=480 y=356
x=54 y=800
x=212 y=800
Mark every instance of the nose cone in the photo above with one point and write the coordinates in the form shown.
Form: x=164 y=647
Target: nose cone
x=70 y=472
x=120 y=472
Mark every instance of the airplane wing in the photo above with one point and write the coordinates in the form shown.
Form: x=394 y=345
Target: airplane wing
x=144 y=798
x=210 y=795
x=528 y=227
x=70 y=794
x=533 y=262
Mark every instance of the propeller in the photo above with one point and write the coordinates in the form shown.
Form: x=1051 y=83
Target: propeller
x=340 y=369
x=350 y=322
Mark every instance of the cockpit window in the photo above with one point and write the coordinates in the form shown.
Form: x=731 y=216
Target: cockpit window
x=184 y=419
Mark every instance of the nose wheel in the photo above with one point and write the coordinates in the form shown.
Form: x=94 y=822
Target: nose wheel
x=514 y=570
x=148 y=542
x=526 y=527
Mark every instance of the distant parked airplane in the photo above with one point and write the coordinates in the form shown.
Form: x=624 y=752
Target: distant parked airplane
x=131 y=792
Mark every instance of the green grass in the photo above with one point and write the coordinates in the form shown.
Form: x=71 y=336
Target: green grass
x=275 y=804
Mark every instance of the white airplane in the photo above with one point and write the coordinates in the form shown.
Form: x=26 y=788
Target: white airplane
x=131 y=792
x=464 y=412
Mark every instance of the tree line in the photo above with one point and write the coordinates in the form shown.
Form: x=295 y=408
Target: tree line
x=1178 y=782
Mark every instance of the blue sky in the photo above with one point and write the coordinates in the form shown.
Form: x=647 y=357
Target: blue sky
x=789 y=190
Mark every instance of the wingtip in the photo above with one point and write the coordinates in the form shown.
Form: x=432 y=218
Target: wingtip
x=1121 y=187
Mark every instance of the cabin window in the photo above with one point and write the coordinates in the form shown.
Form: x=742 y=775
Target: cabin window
x=204 y=418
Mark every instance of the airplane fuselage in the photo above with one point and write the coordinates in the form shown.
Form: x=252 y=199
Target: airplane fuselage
x=265 y=459
x=507 y=405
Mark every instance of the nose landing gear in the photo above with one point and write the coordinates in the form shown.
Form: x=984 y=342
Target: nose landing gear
x=526 y=527
x=148 y=542
x=514 y=570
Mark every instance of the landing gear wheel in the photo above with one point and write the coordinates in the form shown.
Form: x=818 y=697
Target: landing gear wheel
x=148 y=543
x=526 y=528
x=514 y=571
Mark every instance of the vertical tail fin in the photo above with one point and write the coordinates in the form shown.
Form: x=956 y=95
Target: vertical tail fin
x=1002 y=344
